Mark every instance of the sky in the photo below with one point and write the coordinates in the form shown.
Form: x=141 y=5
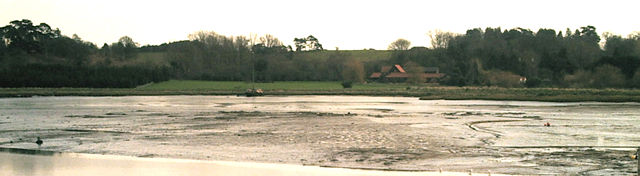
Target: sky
x=345 y=24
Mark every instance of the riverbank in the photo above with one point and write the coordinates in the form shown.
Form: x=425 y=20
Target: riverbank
x=425 y=92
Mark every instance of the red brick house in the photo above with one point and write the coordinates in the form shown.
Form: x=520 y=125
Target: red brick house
x=396 y=73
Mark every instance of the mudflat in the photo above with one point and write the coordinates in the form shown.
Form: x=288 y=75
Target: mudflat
x=381 y=133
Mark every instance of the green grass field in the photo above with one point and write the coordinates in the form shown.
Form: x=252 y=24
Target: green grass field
x=362 y=55
x=239 y=86
x=159 y=59
x=425 y=92
x=289 y=85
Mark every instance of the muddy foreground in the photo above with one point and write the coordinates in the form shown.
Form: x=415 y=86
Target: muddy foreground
x=336 y=131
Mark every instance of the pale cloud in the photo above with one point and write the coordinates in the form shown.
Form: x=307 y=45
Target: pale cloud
x=345 y=24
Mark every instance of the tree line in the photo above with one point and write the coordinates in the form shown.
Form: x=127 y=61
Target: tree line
x=546 y=58
x=39 y=56
x=211 y=56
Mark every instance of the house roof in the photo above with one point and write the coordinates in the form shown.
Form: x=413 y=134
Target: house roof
x=399 y=68
x=396 y=71
x=406 y=75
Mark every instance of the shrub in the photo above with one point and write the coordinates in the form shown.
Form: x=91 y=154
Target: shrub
x=353 y=71
x=533 y=82
x=605 y=76
x=579 y=79
x=347 y=84
x=501 y=78
x=415 y=73
x=608 y=76
x=635 y=81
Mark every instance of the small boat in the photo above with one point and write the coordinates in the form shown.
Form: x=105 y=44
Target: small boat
x=253 y=92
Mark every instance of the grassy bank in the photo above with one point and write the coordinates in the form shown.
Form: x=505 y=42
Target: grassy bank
x=159 y=58
x=534 y=94
x=425 y=92
x=273 y=86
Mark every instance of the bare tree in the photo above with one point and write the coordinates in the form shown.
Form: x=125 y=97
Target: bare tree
x=126 y=41
x=241 y=42
x=199 y=35
x=125 y=47
x=270 y=41
x=253 y=39
x=440 y=39
x=400 y=44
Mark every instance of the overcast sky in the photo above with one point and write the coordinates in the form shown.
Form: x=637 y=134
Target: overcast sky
x=347 y=24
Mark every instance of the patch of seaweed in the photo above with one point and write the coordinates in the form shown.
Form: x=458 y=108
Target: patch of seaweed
x=90 y=116
x=307 y=113
x=464 y=113
x=93 y=131
x=245 y=113
x=115 y=114
x=225 y=118
x=157 y=114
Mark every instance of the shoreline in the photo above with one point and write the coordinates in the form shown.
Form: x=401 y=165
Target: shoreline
x=61 y=163
x=428 y=93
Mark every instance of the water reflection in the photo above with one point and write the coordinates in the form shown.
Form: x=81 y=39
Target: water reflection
x=29 y=151
x=24 y=162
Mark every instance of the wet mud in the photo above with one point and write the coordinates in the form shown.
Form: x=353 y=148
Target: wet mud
x=386 y=133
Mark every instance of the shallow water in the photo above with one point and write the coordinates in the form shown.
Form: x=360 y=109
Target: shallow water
x=64 y=164
x=319 y=130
